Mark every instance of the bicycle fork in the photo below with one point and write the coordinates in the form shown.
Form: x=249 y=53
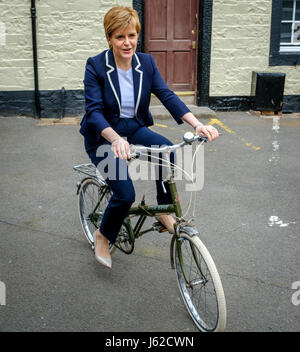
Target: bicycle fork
x=176 y=239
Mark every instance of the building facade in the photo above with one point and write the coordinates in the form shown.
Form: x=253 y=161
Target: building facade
x=208 y=49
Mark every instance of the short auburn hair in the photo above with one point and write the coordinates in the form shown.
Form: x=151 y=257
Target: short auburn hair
x=118 y=17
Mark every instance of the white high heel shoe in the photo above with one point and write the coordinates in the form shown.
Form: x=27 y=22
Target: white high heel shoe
x=104 y=261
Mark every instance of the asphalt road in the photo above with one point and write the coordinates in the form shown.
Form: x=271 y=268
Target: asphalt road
x=248 y=213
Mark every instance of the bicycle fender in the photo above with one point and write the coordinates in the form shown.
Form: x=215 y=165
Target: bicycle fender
x=189 y=230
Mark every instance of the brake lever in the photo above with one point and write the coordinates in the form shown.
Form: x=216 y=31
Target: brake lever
x=135 y=155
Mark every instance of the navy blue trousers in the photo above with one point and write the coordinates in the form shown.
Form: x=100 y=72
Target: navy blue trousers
x=123 y=193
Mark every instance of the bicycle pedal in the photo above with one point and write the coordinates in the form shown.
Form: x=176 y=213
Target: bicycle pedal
x=158 y=226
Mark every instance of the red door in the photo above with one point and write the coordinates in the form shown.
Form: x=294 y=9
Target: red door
x=171 y=37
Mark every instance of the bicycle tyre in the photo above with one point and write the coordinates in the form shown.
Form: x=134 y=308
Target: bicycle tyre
x=93 y=199
x=199 y=284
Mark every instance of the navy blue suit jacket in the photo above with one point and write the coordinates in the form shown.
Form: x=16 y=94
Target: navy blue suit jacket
x=103 y=97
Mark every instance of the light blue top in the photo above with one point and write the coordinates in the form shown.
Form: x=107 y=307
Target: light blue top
x=127 y=93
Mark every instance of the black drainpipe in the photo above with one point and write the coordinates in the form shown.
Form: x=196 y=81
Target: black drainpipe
x=35 y=65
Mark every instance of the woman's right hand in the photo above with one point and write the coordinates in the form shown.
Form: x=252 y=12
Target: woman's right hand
x=121 y=148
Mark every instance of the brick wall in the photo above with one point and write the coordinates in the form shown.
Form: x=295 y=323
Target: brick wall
x=68 y=32
x=240 y=44
x=16 y=67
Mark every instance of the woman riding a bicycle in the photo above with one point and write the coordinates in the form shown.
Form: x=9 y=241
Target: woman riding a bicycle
x=118 y=84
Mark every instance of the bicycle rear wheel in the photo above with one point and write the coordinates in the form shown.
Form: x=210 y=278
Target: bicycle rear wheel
x=199 y=284
x=92 y=202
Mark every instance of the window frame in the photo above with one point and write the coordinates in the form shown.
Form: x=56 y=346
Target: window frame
x=277 y=57
x=291 y=47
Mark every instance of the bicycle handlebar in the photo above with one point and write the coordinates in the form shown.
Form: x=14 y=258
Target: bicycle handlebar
x=188 y=138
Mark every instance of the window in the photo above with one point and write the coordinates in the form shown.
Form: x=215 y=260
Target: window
x=285 y=33
x=290 y=26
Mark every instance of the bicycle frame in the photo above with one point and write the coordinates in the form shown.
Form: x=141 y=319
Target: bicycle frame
x=143 y=211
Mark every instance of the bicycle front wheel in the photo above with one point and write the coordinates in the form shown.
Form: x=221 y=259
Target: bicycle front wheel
x=93 y=200
x=199 y=284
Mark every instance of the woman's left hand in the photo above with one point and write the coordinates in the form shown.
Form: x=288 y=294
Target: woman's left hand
x=208 y=131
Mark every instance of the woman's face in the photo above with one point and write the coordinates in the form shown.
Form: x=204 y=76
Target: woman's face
x=123 y=42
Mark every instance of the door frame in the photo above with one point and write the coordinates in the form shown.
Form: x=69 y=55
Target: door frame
x=204 y=46
x=173 y=43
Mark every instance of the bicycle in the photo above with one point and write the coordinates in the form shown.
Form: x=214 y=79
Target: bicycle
x=197 y=276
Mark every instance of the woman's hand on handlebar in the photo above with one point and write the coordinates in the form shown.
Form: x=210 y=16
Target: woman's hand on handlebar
x=121 y=148
x=208 y=131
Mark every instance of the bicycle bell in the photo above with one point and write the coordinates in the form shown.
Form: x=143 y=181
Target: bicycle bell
x=188 y=137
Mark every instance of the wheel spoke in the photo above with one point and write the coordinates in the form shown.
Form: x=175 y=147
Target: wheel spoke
x=197 y=285
x=90 y=206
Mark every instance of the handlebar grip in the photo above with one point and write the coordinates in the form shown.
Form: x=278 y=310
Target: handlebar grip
x=202 y=138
